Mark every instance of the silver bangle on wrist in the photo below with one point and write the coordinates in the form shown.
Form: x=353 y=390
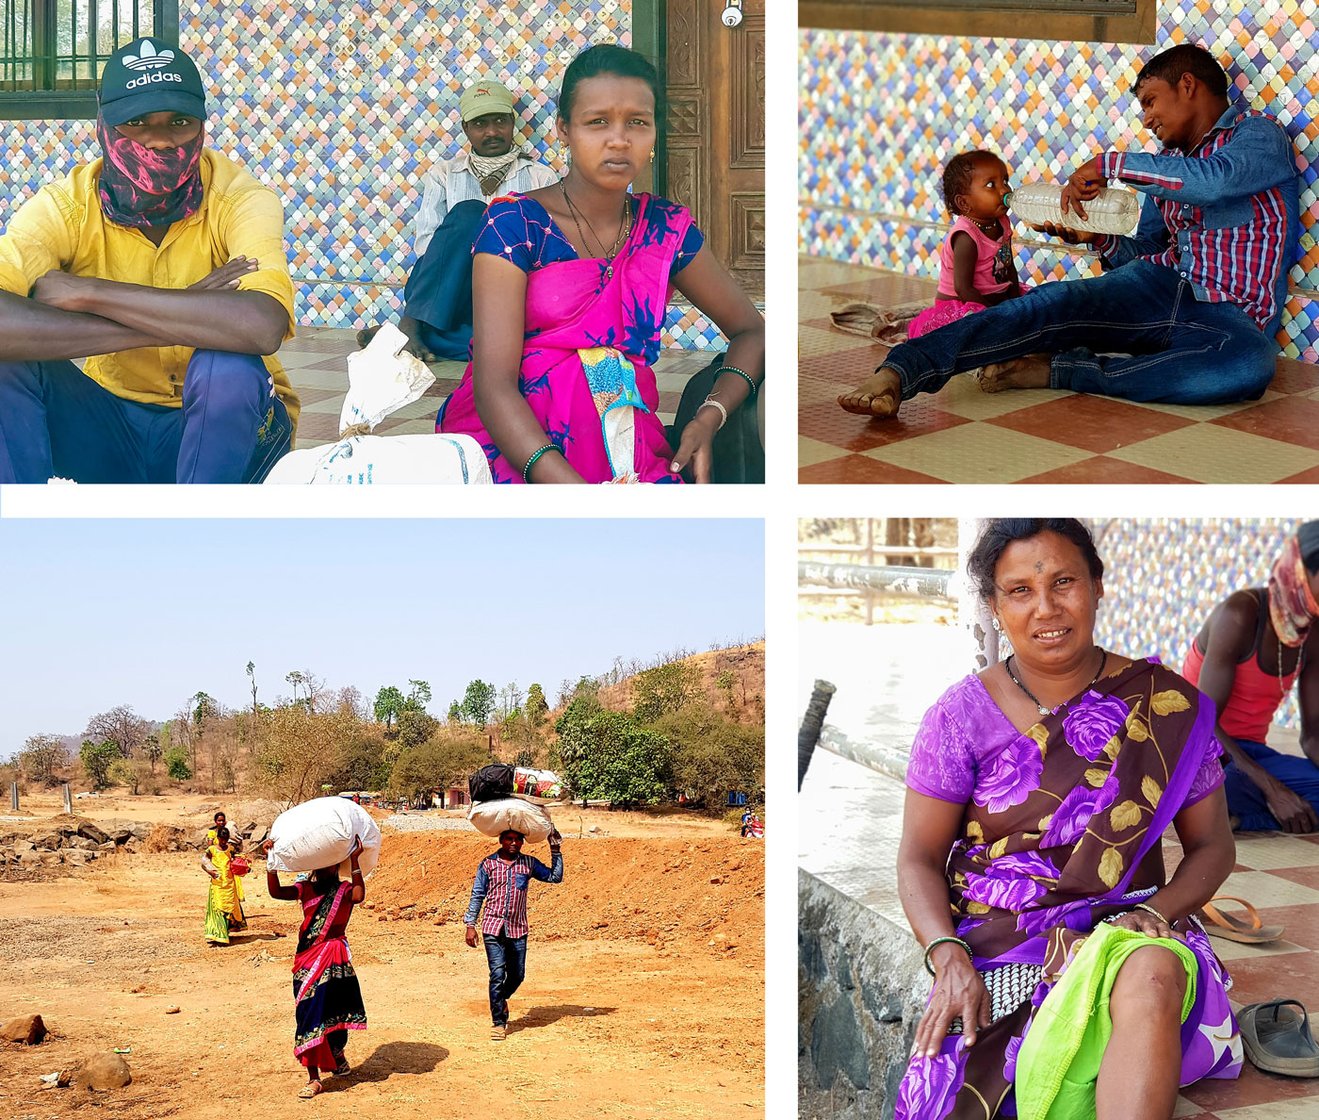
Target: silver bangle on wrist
x=723 y=412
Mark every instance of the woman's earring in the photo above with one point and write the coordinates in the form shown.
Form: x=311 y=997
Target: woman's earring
x=998 y=628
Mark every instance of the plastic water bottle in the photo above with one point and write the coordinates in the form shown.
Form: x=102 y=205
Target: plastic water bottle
x=1111 y=211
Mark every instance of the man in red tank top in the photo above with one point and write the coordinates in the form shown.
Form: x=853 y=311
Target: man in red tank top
x=1253 y=647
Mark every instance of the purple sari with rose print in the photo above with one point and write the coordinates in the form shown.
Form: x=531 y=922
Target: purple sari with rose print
x=1061 y=830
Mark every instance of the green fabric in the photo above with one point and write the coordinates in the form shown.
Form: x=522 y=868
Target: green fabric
x=1058 y=1063
x=217 y=921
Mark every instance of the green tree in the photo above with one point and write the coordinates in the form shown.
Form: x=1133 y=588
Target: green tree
x=364 y=765
x=525 y=759
x=415 y=727
x=152 y=749
x=419 y=694
x=536 y=708
x=713 y=755
x=665 y=688
x=130 y=772
x=41 y=757
x=724 y=682
x=608 y=755
x=436 y=764
x=96 y=760
x=251 y=675
x=302 y=749
x=176 y=762
x=478 y=702
x=455 y=712
x=389 y=702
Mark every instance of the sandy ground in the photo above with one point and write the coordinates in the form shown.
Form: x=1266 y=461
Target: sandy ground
x=644 y=995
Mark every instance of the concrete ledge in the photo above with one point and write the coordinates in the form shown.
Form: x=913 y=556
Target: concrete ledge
x=861 y=989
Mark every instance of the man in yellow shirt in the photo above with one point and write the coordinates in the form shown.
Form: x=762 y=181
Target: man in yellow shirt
x=162 y=264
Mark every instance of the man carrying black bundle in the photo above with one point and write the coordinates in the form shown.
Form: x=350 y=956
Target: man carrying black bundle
x=501 y=884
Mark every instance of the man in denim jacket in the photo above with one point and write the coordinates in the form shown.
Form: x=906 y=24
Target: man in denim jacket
x=1187 y=309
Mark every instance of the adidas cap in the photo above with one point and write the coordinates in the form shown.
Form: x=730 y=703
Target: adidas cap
x=147 y=76
x=485 y=96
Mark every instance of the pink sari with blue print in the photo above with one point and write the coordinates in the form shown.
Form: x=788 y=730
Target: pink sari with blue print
x=591 y=336
x=1062 y=824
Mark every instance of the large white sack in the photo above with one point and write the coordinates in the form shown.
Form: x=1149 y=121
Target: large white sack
x=494 y=817
x=319 y=833
x=382 y=379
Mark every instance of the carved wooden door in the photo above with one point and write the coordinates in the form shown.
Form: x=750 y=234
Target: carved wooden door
x=715 y=124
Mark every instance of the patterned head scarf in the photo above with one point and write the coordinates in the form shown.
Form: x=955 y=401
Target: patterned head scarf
x=1292 y=606
x=142 y=187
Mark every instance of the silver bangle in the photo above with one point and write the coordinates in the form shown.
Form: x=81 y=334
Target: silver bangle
x=723 y=412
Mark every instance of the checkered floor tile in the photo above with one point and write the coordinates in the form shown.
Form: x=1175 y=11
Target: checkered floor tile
x=316 y=361
x=963 y=435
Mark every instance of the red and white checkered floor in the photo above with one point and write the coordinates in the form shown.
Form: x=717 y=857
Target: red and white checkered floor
x=961 y=434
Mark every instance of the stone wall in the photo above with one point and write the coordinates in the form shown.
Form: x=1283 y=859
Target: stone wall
x=861 y=988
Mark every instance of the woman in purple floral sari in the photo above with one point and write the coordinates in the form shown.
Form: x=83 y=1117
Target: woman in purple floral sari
x=570 y=287
x=1038 y=791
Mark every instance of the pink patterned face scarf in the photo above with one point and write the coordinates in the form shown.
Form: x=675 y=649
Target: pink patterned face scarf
x=141 y=187
x=1292 y=607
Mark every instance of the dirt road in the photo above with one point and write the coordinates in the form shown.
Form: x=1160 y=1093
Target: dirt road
x=644 y=992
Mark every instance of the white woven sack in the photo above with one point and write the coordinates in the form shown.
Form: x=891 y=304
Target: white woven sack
x=319 y=833
x=494 y=817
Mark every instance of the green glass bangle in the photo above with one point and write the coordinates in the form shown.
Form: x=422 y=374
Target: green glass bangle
x=743 y=375
x=531 y=462
x=944 y=941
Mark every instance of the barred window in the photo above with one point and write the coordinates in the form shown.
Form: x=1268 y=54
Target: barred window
x=54 y=51
x=1102 y=21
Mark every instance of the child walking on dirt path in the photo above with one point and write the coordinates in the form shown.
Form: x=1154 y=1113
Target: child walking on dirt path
x=326 y=994
x=501 y=883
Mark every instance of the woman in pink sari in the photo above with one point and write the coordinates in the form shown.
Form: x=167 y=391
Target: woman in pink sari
x=327 y=997
x=570 y=285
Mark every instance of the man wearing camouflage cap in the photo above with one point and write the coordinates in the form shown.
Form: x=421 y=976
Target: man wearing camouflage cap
x=437 y=313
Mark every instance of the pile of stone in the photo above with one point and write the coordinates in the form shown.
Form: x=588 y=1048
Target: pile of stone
x=72 y=842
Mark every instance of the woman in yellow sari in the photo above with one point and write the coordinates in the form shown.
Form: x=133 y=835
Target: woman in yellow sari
x=224 y=908
x=235 y=848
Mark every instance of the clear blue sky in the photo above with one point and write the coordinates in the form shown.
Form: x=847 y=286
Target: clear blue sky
x=147 y=613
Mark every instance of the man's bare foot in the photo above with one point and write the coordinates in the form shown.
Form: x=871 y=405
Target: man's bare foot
x=878 y=395
x=1030 y=372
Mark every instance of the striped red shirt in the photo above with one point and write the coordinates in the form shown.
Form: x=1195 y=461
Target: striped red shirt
x=1229 y=212
x=502 y=885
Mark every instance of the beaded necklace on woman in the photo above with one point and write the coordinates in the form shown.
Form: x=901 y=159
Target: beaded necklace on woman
x=1103 y=660
x=624 y=228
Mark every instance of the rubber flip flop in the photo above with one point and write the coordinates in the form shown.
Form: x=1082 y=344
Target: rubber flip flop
x=1250 y=930
x=1277 y=1038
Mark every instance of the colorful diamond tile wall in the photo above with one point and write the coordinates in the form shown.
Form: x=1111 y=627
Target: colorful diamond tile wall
x=341 y=107
x=880 y=114
x=1163 y=576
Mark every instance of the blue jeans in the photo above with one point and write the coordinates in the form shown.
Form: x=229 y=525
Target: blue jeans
x=1246 y=802
x=1137 y=332
x=55 y=421
x=508 y=965
x=439 y=289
